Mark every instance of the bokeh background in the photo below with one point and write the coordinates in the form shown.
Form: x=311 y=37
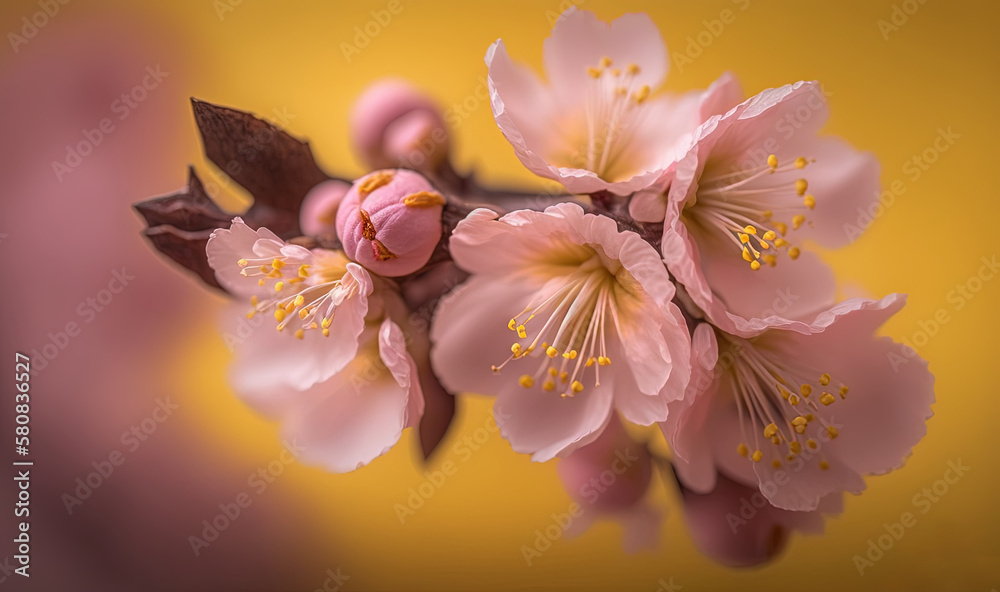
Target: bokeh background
x=901 y=74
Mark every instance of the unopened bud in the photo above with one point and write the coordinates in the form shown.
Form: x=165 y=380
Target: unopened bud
x=390 y=221
x=394 y=125
x=318 y=215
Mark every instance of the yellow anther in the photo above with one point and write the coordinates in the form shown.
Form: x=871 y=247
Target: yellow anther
x=424 y=199
x=824 y=379
x=254 y=301
x=755 y=265
x=590 y=362
x=770 y=235
x=277 y=264
x=809 y=201
x=303 y=271
x=772 y=161
x=764 y=245
x=767 y=214
x=260 y=282
x=299 y=334
x=798 y=220
x=744 y=238
x=812 y=444
x=299 y=300
x=770 y=430
x=757 y=455
x=373 y=182
x=515 y=349
x=605 y=62
x=564 y=377
x=633 y=69
x=567 y=395
x=746 y=254
x=594 y=72
x=251 y=314
x=776 y=463
x=326 y=332
x=512 y=325
x=603 y=361
x=642 y=94
x=793 y=399
x=782 y=227
x=793 y=253
x=799 y=429
x=823 y=465
x=826 y=399
x=795 y=447
x=570 y=355
x=780 y=242
x=553 y=371
x=522 y=332
x=327 y=322
x=806 y=390
x=742 y=450
x=243 y=263
x=832 y=432
x=279 y=286
x=616 y=72
x=784 y=392
x=775 y=440
x=577 y=386
x=799 y=420
x=771 y=260
x=810 y=417
x=280 y=314
x=551 y=352
x=801 y=162
x=801 y=185
x=290 y=306
x=843 y=392
x=526 y=381
x=749 y=229
x=549 y=385
x=303 y=313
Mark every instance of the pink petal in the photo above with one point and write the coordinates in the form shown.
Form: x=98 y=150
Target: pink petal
x=226 y=247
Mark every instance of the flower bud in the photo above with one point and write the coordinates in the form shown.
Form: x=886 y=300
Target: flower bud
x=734 y=525
x=390 y=221
x=393 y=125
x=318 y=215
x=610 y=474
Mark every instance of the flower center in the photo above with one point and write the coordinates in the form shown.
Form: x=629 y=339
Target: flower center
x=306 y=295
x=779 y=402
x=565 y=327
x=752 y=207
x=613 y=108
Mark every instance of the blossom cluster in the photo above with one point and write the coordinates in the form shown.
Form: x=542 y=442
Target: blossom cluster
x=675 y=283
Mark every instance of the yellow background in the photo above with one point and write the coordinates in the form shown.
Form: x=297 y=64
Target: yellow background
x=938 y=70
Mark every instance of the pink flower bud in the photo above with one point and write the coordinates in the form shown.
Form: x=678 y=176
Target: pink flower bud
x=610 y=474
x=393 y=125
x=390 y=221
x=318 y=215
x=734 y=525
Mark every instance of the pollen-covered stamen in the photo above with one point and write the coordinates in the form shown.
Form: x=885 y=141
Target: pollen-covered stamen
x=779 y=403
x=748 y=207
x=615 y=108
x=572 y=338
x=302 y=297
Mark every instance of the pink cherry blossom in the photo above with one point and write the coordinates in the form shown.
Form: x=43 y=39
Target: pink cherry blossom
x=756 y=182
x=597 y=127
x=801 y=416
x=564 y=319
x=311 y=294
